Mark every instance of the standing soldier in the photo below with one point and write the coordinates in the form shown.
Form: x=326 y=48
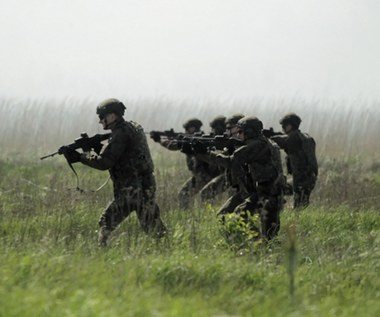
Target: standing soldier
x=231 y=124
x=301 y=160
x=256 y=174
x=220 y=183
x=128 y=160
x=202 y=172
x=218 y=125
x=217 y=184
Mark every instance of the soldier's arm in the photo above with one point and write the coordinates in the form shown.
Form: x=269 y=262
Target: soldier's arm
x=280 y=140
x=111 y=154
x=219 y=159
x=211 y=158
x=238 y=172
x=171 y=145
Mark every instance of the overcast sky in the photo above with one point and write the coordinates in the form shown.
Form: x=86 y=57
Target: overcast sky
x=190 y=48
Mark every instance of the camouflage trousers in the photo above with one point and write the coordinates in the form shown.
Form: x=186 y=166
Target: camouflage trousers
x=213 y=188
x=266 y=200
x=301 y=198
x=302 y=189
x=190 y=188
x=134 y=195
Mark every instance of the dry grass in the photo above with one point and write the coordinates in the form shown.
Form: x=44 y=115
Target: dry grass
x=341 y=129
x=346 y=133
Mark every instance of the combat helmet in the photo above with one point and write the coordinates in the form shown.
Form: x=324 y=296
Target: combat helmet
x=193 y=122
x=291 y=118
x=251 y=126
x=218 y=124
x=233 y=120
x=111 y=105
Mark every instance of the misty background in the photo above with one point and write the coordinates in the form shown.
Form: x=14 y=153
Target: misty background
x=172 y=60
x=197 y=49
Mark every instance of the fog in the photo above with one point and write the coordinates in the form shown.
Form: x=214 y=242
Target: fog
x=190 y=49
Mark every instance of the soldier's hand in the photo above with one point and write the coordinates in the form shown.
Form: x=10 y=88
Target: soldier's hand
x=70 y=154
x=155 y=136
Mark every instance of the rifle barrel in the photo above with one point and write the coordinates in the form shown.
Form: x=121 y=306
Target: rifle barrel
x=49 y=155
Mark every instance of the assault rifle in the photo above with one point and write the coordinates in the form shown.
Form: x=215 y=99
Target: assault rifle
x=85 y=143
x=268 y=133
x=170 y=134
x=206 y=142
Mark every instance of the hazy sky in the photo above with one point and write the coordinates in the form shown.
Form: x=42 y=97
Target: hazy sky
x=190 y=48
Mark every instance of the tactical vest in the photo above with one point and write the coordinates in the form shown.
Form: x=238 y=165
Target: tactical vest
x=266 y=166
x=301 y=154
x=308 y=145
x=143 y=159
x=277 y=163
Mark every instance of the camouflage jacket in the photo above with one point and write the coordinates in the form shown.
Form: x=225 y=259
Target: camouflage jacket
x=197 y=164
x=300 y=149
x=126 y=155
x=251 y=164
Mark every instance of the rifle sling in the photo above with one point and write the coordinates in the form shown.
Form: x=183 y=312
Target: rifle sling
x=77 y=179
x=75 y=173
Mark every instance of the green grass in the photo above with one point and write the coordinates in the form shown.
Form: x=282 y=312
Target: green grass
x=50 y=264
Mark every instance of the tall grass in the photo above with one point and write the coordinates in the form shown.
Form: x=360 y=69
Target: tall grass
x=340 y=128
x=325 y=264
x=325 y=261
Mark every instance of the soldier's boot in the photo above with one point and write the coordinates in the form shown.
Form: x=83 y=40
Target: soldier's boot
x=301 y=199
x=103 y=236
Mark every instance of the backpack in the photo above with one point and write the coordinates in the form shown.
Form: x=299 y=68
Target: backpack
x=308 y=146
x=144 y=162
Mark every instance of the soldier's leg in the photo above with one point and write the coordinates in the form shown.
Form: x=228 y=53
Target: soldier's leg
x=302 y=190
x=230 y=205
x=149 y=213
x=270 y=216
x=125 y=201
x=150 y=220
x=214 y=187
x=301 y=198
x=191 y=187
x=248 y=208
x=186 y=192
x=271 y=200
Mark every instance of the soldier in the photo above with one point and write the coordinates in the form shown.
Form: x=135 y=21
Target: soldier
x=128 y=160
x=220 y=183
x=217 y=184
x=202 y=172
x=231 y=124
x=218 y=125
x=301 y=160
x=256 y=174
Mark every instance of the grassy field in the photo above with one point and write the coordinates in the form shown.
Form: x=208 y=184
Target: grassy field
x=325 y=261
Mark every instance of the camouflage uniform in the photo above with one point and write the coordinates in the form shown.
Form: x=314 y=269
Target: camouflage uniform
x=202 y=172
x=301 y=159
x=217 y=184
x=222 y=182
x=256 y=173
x=128 y=159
